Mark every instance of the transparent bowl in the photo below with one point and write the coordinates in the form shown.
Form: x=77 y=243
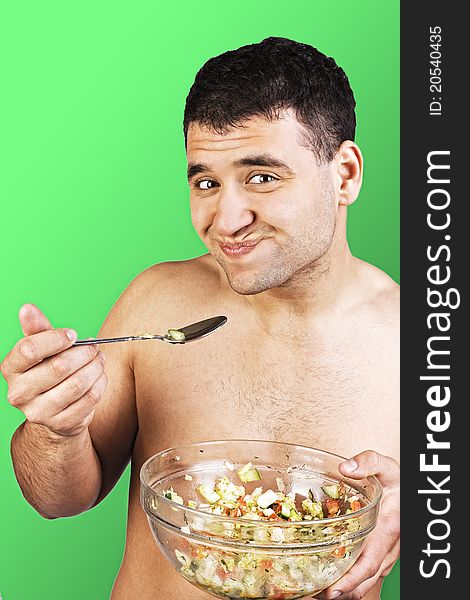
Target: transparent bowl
x=244 y=558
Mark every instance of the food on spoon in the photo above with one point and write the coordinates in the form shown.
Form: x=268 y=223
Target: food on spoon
x=176 y=335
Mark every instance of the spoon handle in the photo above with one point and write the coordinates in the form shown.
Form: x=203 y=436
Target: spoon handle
x=130 y=338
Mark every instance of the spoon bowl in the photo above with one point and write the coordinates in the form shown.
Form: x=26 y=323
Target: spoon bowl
x=195 y=331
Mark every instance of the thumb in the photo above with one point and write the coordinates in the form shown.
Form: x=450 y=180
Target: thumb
x=368 y=463
x=32 y=320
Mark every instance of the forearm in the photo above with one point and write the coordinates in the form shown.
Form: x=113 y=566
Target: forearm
x=59 y=476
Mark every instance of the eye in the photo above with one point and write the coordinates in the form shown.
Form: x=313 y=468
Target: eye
x=206 y=184
x=262 y=178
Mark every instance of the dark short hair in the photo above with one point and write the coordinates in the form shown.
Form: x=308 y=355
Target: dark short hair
x=266 y=78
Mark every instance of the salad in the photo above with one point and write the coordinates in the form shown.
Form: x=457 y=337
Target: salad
x=267 y=573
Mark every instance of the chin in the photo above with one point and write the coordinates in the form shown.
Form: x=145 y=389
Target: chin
x=249 y=285
x=245 y=288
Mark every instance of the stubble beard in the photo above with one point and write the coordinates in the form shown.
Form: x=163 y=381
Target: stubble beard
x=275 y=275
x=295 y=266
x=282 y=273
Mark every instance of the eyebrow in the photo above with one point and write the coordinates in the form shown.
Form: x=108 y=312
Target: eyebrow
x=254 y=160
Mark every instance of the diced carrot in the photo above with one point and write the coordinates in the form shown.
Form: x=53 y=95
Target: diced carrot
x=266 y=564
x=332 y=506
x=355 y=504
x=222 y=573
x=339 y=552
x=279 y=594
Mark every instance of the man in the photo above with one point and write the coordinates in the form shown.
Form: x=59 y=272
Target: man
x=310 y=350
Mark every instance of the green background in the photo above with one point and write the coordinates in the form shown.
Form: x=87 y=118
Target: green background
x=93 y=191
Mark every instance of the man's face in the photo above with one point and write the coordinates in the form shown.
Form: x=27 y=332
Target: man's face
x=259 y=201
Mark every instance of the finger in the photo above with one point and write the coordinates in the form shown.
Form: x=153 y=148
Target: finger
x=367 y=567
x=366 y=586
x=370 y=588
x=79 y=415
x=32 y=320
x=336 y=590
x=368 y=463
x=31 y=350
x=52 y=371
x=361 y=591
x=391 y=559
x=47 y=405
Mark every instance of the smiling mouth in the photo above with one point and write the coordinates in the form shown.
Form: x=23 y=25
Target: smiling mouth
x=240 y=249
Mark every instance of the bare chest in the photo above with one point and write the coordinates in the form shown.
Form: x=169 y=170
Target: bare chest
x=332 y=395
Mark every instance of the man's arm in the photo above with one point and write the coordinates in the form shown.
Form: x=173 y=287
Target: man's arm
x=64 y=463
x=59 y=476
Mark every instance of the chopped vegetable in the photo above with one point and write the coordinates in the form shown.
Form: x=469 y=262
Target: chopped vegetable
x=332 y=507
x=210 y=495
x=313 y=510
x=333 y=491
x=339 y=552
x=285 y=510
x=244 y=574
x=249 y=473
x=267 y=498
x=228 y=499
x=172 y=495
x=354 y=504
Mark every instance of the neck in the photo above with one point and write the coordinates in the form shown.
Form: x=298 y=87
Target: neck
x=317 y=290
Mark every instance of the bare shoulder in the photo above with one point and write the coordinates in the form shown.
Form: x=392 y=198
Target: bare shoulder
x=381 y=294
x=164 y=291
x=174 y=275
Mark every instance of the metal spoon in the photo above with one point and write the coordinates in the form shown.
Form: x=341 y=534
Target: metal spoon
x=191 y=332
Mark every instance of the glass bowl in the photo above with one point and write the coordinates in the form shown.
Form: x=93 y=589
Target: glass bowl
x=245 y=558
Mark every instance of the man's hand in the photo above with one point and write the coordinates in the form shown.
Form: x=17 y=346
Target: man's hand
x=382 y=548
x=53 y=384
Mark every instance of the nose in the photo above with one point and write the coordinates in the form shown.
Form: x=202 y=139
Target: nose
x=233 y=213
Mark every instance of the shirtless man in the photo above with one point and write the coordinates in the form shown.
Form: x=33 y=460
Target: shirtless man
x=309 y=353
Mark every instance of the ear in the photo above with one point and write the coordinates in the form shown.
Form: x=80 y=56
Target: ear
x=348 y=165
